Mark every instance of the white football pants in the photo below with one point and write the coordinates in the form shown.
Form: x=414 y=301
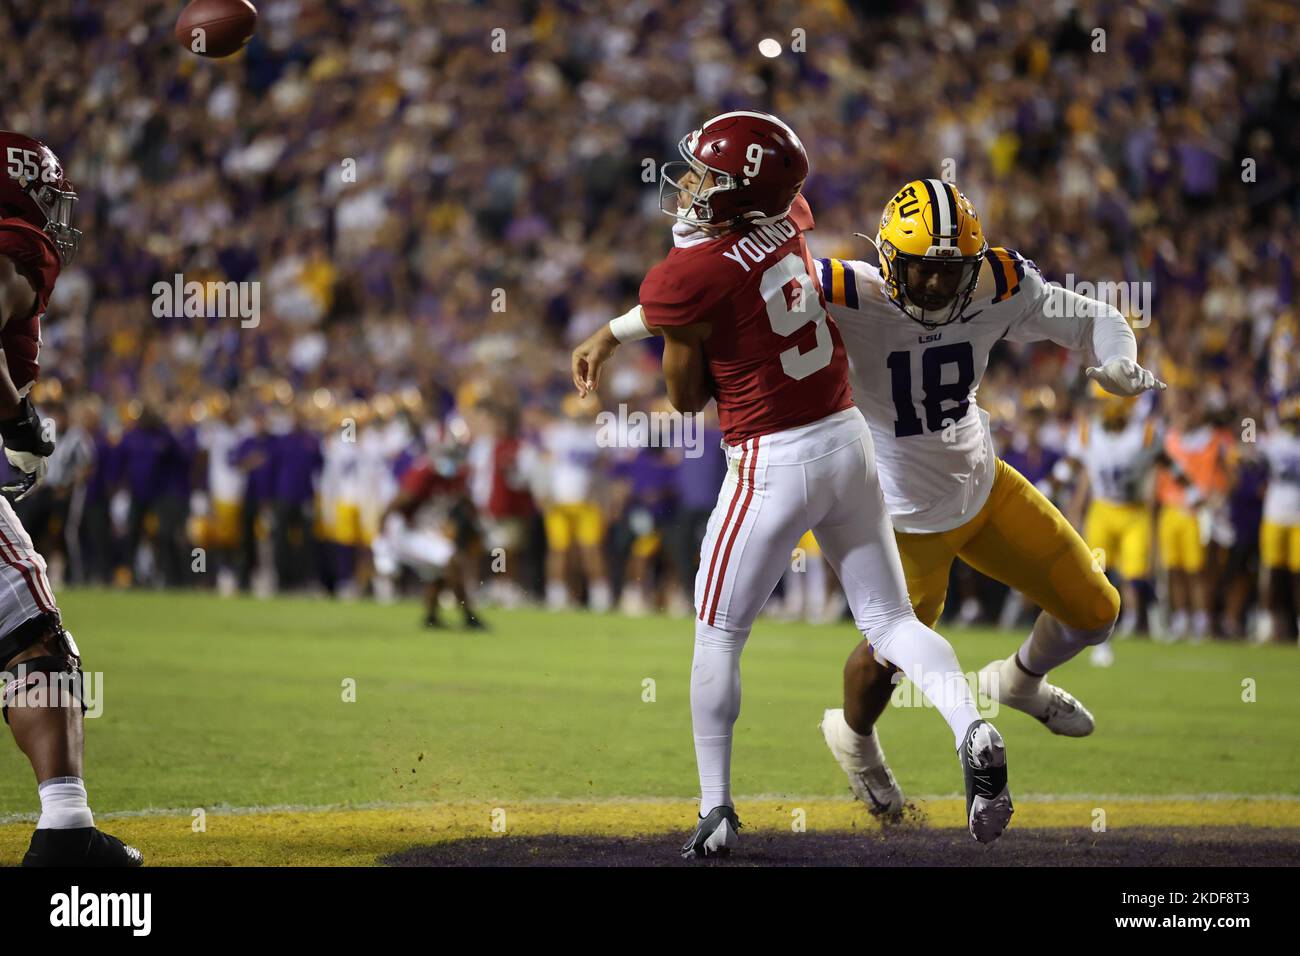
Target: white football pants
x=820 y=477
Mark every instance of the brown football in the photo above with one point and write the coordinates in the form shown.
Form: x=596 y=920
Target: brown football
x=216 y=28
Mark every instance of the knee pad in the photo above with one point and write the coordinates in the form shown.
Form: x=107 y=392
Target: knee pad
x=879 y=630
x=61 y=674
x=1094 y=608
x=720 y=638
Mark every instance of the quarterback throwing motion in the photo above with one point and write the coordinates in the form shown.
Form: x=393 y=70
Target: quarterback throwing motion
x=744 y=321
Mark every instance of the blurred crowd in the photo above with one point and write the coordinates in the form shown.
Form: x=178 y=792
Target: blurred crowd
x=439 y=200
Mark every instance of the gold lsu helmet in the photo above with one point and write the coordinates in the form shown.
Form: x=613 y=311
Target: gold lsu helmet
x=931 y=247
x=1114 y=410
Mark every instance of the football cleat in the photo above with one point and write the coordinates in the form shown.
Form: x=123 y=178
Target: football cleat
x=983 y=758
x=1056 y=709
x=870 y=779
x=714 y=834
x=81 y=846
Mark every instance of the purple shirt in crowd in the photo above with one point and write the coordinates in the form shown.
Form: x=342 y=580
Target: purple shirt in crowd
x=297 y=461
x=258 y=451
x=147 y=454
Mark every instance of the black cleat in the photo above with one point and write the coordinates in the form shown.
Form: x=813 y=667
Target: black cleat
x=474 y=623
x=434 y=623
x=983 y=758
x=82 y=846
x=714 y=835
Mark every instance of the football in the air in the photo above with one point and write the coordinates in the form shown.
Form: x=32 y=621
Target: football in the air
x=216 y=28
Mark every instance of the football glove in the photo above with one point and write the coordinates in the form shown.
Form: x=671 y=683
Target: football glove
x=1123 y=376
x=26 y=446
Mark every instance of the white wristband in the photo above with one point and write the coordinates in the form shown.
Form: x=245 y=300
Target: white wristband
x=630 y=326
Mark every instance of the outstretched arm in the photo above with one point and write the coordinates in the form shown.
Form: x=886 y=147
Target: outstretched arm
x=1078 y=322
x=592 y=354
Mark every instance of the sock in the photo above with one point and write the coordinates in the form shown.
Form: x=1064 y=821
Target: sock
x=1201 y=624
x=931 y=664
x=63 y=804
x=557 y=596
x=600 y=596
x=1048 y=647
x=864 y=750
x=1015 y=676
x=715 y=705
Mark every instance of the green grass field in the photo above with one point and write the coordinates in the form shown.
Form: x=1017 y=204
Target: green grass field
x=220 y=704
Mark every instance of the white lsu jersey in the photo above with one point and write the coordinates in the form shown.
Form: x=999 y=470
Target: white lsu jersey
x=1119 y=463
x=917 y=387
x=1282 y=500
x=226 y=482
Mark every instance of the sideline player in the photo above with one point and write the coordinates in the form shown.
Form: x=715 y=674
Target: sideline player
x=918 y=332
x=428 y=528
x=1279 y=534
x=41 y=699
x=744 y=321
x=1115 y=452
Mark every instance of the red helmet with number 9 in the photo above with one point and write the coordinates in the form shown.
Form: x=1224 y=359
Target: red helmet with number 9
x=34 y=189
x=739 y=166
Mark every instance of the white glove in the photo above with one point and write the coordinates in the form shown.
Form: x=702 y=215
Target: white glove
x=1123 y=376
x=31 y=470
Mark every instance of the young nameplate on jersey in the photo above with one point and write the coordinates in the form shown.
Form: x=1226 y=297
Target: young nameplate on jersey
x=744 y=320
x=918 y=330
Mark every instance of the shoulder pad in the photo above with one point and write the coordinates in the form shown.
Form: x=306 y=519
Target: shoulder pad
x=1008 y=269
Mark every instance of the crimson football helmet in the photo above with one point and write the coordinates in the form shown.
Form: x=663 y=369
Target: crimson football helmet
x=758 y=166
x=34 y=189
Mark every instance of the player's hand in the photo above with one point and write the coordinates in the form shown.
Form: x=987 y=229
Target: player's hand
x=589 y=357
x=31 y=471
x=27 y=445
x=1125 y=377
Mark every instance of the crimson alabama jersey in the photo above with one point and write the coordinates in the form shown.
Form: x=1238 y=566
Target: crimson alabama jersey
x=25 y=590
x=33 y=255
x=431 y=493
x=776 y=358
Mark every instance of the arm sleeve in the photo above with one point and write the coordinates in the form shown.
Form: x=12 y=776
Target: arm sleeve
x=845 y=281
x=1052 y=312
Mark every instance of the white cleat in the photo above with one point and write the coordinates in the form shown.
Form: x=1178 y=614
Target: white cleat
x=869 y=775
x=1057 y=709
x=983 y=757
